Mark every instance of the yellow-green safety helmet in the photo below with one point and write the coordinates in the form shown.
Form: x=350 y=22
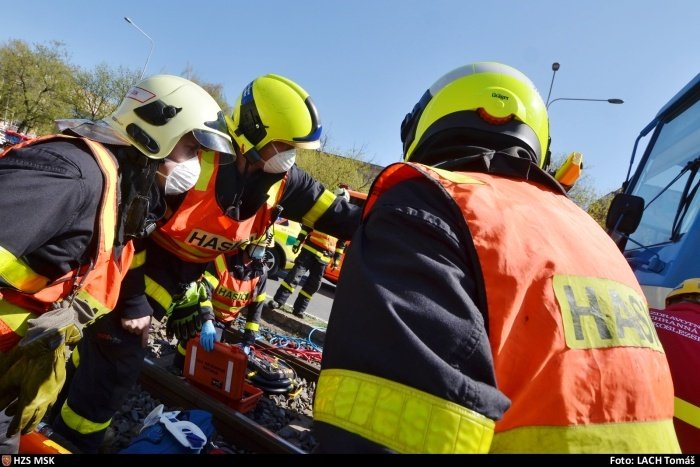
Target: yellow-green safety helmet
x=688 y=286
x=274 y=108
x=159 y=110
x=486 y=100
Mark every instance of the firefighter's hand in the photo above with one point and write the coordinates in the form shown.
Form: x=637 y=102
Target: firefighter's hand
x=184 y=322
x=31 y=384
x=335 y=262
x=139 y=326
x=207 y=336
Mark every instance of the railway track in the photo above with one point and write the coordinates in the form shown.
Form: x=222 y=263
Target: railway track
x=237 y=428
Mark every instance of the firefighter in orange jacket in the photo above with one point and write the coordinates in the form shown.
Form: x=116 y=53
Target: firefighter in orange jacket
x=76 y=200
x=318 y=250
x=216 y=207
x=678 y=326
x=501 y=318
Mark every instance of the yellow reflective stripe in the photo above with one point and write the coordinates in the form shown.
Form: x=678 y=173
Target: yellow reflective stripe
x=686 y=412
x=220 y=264
x=180 y=349
x=305 y=294
x=399 y=417
x=108 y=211
x=629 y=437
x=75 y=357
x=80 y=424
x=320 y=206
x=158 y=293
x=323 y=258
x=15 y=317
x=222 y=306
x=273 y=193
x=260 y=298
x=252 y=326
x=287 y=286
x=14 y=272
x=138 y=260
x=207 y=162
x=205 y=304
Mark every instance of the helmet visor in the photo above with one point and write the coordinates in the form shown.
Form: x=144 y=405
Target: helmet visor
x=214 y=141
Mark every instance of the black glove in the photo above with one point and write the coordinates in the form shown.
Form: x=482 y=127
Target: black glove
x=248 y=337
x=184 y=322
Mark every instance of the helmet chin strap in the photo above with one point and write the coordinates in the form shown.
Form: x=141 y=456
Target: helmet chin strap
x=137 y=176
x=234 y=209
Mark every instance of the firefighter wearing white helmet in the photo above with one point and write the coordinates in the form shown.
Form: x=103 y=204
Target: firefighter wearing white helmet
x=492 y=299
x=78 y=198
x=217 y=207
x=678 y=326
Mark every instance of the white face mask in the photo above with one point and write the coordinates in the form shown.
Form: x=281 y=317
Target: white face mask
x=280 y=162
x=183 y=177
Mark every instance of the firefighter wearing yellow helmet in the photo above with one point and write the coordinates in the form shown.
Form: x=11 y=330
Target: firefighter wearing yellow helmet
x=216 y=207
x=487 y=302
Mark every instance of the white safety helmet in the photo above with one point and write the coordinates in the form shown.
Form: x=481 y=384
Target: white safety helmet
x=161 y=109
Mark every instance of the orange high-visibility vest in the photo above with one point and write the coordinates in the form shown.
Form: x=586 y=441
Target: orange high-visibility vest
x=102 y=283
x=573 y=345
x=200 y=230
x=323 y=241
x=231 y=294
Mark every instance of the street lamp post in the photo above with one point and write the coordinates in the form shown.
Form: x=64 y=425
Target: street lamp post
x=612 y=100
x=555 y=67
x=128 y=20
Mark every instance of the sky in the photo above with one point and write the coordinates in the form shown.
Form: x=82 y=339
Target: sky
x=366 y=63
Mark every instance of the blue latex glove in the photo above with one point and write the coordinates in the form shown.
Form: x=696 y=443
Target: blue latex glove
x=207 y=336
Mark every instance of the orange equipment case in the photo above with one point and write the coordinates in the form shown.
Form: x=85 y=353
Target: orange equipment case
x=221 y=374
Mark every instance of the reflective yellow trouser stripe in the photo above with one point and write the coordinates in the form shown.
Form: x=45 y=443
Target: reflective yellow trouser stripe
x=686 y=412
x=287 y=286
x=319 y=254
x=304 y=294
x=252 y=326
x=14 y=272
x=15 y=317
x=80 y=424
x=320 y=206
x=260 y=297
x=399 y=417
x=626 y=437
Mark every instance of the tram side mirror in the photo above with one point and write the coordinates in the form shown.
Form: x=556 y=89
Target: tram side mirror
x=624 y=214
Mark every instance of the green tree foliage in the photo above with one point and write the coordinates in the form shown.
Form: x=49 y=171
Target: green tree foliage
x=98 y=92
x=333 y=170
x=36 y=84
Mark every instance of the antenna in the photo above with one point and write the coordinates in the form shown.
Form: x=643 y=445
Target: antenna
x=143 y=72
x=555 y=67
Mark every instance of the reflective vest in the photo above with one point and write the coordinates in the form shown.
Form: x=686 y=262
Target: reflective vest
x=573 y=345
x=200 y=230
x=231 y=294
x=323 y=241
x=32 y=294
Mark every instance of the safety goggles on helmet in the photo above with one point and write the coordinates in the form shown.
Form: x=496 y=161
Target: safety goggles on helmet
x=161 y=109
x=274 y=108
x=493 y=103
